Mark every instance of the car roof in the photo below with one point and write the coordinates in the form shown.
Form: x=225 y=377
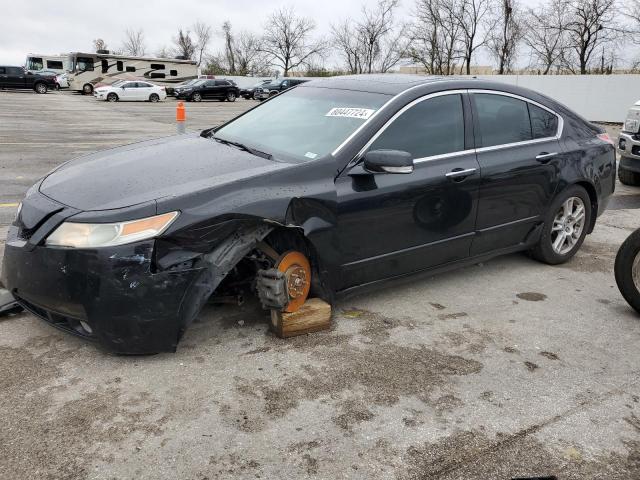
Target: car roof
x=395 y=84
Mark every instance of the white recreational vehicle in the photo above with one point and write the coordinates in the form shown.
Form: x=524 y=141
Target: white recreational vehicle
x=89 y=70
x=55 y=63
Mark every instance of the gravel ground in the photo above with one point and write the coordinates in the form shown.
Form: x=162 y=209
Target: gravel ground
x=505 y=369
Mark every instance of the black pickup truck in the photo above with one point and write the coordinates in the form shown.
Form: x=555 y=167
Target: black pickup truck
x=19 y=78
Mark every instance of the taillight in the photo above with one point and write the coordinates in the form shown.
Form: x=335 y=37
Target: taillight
x=162 y=88
x=605 y=138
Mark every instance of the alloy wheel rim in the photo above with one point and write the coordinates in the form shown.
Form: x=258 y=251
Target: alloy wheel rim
x=568 y=225
x=635 y=271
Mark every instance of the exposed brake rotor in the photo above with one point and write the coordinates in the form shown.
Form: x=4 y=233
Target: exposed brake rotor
x=297 y=271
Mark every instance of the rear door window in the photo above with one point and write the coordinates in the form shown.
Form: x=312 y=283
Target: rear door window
x=432 y=127
x=543 y=123
x=501 y=119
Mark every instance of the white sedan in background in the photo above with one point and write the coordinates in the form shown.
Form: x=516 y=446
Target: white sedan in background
x=126 y=90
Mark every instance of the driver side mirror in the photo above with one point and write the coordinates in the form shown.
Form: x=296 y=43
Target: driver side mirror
x=388 y=161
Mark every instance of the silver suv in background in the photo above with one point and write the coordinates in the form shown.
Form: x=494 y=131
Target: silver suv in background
x=629 y=148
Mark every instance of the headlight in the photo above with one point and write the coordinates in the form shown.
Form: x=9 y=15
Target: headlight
x=92 y=235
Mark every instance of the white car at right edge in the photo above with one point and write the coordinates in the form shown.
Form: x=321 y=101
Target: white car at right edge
x=130 y=91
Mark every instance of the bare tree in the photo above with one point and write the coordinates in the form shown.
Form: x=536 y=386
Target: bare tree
x=436 y=35
x=505 y=35
x=133 y=43
x=546 y=34
x=591 y=25
x=229 y=46
x=249 y=59
x=472 y=18
x=287 y=40
x=202 y=32
x=185 y=47
x=348 y=45
x=375 y=42
x=99 y=44
x=163 y=52
x=631 y=12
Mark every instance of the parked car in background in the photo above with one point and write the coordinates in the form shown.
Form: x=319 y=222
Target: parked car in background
x=126 y=91
x=629 y=148
x=178 y=88
x=248 y=93
x=277 y=86
x=15 y=78
x=337 y=185
x=209 y=89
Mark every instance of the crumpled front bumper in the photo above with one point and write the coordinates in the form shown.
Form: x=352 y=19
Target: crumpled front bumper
x=110 y=295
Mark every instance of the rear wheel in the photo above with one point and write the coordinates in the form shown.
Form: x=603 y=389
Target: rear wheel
x=628 y=177
x=565 y=226
x=40 y=87
x=87 y=89
x=153 y=98
x=627 y=270
x=231 y=96
x=196 y=97
x=112 y=97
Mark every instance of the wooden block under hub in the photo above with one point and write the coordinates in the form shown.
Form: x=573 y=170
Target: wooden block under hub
x=313 y=316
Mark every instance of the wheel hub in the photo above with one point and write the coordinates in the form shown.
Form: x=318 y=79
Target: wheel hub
x=297 y=271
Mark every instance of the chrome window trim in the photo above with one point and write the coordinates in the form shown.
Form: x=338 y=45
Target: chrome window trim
x=451 y=154
x=404 y=109
x=524 y=142
x=361 y=127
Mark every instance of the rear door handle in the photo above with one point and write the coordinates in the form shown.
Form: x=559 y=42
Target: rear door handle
x=459 y=174
x=544 y=157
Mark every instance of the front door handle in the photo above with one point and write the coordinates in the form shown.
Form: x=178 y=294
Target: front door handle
x=459 y=174
x=544 y=157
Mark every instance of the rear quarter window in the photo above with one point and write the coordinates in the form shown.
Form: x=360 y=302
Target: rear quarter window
x=543 y=123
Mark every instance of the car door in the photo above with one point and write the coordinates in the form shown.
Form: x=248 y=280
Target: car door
x=518 y=152
x=4 y=77
x=128 y=91
x=16 y=77
x=144 y=91
x=394 y=224
x=209 y=89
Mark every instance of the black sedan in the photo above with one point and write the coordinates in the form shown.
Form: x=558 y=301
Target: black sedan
x=208 y=89
x=336 y=185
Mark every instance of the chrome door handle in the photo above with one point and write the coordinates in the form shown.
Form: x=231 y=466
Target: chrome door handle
x=460 y=173
x=545 y=157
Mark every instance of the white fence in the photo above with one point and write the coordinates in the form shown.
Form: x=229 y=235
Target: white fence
x=604 y=98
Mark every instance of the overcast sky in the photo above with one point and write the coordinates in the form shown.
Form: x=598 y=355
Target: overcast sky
x=51 y=27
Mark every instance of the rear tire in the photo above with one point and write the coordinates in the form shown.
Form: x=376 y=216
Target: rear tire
x=196 y=97
x=112 y=97
x=231 y=97
x=87 y=89
x=627 y=177
x=627 y=270
x=40 y=87
x=565 y=226
x=154 y=98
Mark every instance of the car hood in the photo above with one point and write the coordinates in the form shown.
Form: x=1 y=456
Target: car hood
x=146 y=171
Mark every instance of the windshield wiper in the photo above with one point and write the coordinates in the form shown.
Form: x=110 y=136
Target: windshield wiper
x=242 y=146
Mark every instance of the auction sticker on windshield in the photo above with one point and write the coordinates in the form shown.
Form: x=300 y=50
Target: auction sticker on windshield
x=350 y=112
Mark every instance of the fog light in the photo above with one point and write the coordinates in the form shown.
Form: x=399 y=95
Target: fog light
x=622 y=144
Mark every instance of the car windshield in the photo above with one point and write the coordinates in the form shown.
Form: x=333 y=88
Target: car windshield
x=302 y=124
x=199 y=82
x=117 y=83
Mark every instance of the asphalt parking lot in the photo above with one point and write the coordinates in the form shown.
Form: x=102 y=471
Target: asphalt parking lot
x=505 y=369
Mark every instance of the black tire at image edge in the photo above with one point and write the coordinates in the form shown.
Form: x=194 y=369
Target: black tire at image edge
x=627 y=253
